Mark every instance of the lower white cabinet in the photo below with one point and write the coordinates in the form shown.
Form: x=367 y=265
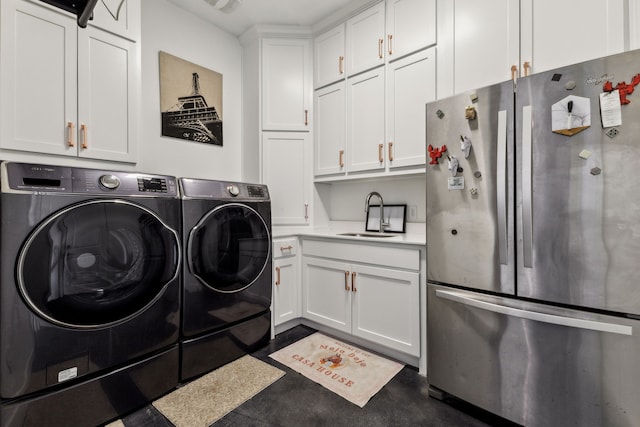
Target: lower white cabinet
x=369 y=291
x=286 y=281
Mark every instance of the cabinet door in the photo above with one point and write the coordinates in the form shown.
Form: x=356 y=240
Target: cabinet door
x=330 y=130
x=386 y=307
x=38 y=73
x=286 y=84
x=285 y=290
x=365 y=121
x=486 y=42
x=549 y=40
x=286 y=170
x=411 y=83
x=326 y=298
x=411 y=26
x=365 y=40
x=121 y=17
x=329 y=56
x=107 y=96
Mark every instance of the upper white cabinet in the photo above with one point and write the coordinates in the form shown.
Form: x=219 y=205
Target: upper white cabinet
x=329 y=57
x=365 y=121
x=330 y=132
x=365 y=40
x=558 y=33
x=411 y=26
x=286 y=84
x=411 y=83
x=286 y=162
x=66 y=90
x=119 y=17
x=496 y=40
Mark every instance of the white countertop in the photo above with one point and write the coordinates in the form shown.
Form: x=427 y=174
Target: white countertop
x=415 y=233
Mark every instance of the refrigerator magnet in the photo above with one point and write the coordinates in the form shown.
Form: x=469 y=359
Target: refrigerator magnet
x=571 y=115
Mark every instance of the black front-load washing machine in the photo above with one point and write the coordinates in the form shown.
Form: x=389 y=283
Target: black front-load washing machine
x=89 y=293
x=227 y=272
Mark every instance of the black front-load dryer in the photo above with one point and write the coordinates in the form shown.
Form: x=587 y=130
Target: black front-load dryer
x=227 y=272
x=89 y=293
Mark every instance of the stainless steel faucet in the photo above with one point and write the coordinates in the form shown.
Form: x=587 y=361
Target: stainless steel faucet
x=366 y=209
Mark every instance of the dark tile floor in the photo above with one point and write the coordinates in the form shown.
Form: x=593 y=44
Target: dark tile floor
x=294 y=400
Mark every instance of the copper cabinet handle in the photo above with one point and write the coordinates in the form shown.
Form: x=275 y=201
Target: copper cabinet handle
x=277 y=276
x=70 y=127
x=390 y=151
x=346 y=281
x=514 y=72
x=380 y=155
x=353 y=282
x=390 y=47
x=380 y=43
x=286 y=248
x=306 y=117
x=526 y=67
x=341 y=161
x=341 y=64
x=83 y=129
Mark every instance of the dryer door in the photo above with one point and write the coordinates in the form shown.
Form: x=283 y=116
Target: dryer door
x=229 y=248
x=97 y=263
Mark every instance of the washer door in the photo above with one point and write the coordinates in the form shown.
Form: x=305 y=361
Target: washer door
x=97 y=263
x=229 y=248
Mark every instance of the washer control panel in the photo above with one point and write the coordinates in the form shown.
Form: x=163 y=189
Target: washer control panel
x=61 y=179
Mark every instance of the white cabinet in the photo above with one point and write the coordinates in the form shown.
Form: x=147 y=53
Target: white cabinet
x=286 y=84
x=369 y=291
x=365 y=121
x=411 y=83
x=66 y=90
x=329 y=57
x=382 y=132
x=365 y=40
x=286 y=281
x=330 y=131
x=411 y=26
x=558 y=33
x=286 y=162
x=487 y=39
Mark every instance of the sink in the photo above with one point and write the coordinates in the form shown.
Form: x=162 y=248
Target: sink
x=375 y=235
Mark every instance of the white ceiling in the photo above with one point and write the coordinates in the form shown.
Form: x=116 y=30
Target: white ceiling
x=265 y=12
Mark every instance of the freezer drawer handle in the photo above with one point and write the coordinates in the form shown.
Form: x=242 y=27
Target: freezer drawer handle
x=533 y=315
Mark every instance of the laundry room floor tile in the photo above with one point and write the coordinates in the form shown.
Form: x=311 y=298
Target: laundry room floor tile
x=294 y=400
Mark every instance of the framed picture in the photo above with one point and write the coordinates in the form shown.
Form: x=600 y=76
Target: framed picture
x=190 y=101
x=395 y=215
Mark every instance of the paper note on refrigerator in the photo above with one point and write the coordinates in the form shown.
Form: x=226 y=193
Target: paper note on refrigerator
x=610 y=109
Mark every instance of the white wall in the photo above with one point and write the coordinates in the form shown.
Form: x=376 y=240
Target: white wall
x=346 y=199
x=170 y=29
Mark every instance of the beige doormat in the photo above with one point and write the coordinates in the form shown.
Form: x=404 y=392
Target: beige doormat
x=202 y=402
x=348 y=371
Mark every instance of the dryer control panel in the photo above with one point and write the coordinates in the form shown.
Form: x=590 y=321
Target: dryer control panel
x=63 y=179
x=223 y=190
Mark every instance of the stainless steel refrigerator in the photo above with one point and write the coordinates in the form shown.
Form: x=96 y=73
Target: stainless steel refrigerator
x=533 y=246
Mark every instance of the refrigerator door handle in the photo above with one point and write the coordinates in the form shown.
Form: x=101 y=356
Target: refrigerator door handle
x=501 y=181
x=572 y=322
x=527 y=187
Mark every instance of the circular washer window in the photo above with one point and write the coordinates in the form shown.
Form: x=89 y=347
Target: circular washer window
x=229 y=248
x=97 y=263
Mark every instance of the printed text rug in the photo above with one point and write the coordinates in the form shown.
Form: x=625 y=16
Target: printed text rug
x=202 y=402
x=352 y=373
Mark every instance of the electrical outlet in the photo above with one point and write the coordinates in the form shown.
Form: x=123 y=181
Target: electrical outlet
x=413 y=212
